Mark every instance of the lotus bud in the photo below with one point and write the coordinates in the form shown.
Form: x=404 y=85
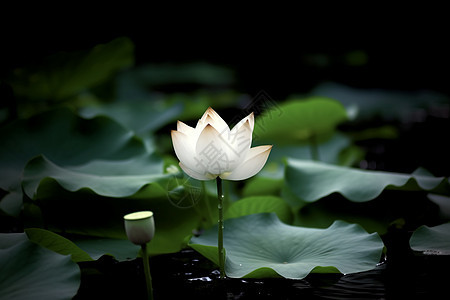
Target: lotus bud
x=140 y=227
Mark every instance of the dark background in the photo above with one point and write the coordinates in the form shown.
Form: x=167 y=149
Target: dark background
x=281 y=59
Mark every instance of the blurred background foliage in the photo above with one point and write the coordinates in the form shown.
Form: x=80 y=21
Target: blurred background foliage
x=104 y=104
x=86 y=113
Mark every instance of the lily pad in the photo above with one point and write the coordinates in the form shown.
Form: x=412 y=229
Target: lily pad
x=311 y=181
x=300 y=120
x=432 y=240
x=30 y=271
x=260 y=245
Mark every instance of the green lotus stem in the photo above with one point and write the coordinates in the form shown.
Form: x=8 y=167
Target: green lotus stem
x=220 y=239
x=148 y=276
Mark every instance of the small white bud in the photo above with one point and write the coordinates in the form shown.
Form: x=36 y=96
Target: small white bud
x=140 y=227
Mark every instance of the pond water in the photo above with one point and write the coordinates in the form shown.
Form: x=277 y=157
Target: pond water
x=188 y=274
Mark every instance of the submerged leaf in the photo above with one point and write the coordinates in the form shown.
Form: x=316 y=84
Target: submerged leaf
x=260 y=245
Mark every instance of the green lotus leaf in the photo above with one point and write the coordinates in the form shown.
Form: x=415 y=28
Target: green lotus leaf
x=300 y=120
x=83 y=248
x=311 y=181
x=63 y=75
x=139 y=116
x=328 y=151
x=29 y=271
x=95 y=223
x=260 y=186
x=432 y=240
x=388 y=104
x=260 y=245
x=443 y=202
x=136 y=83
x=115 y=178
x=66 y=140
x=120 y=249
x=57 y=243
x=260 y=204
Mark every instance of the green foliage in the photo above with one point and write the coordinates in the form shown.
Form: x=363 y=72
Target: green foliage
x=115 y=178
x=311 y=181
x=260 y=245
x=57 y=243
x=367 y=104
x=260 y=204
x=432 y=240
x=311 y=119
x=63 y=75
x=30 y=271
x=63 y=138
x=139 y=116
x=93 y=144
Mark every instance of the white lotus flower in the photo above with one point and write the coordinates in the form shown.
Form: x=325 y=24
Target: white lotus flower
x=140 y=227
x=211 y=149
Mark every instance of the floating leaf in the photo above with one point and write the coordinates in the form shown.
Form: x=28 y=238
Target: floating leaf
x=260 y=245
x=311 y=181
x=432 y=240
x=30 y=271
x=300 y=120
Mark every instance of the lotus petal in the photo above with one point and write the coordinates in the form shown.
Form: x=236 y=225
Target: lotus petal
x=253 y=163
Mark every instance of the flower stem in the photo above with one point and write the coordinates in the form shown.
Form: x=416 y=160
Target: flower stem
x=148 y=276
x=220 y=238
